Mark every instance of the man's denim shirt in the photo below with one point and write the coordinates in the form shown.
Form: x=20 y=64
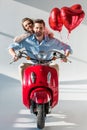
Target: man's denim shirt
x=31 y=44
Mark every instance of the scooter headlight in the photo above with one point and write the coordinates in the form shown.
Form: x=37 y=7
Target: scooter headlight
x=33 y=77
x=48 y=77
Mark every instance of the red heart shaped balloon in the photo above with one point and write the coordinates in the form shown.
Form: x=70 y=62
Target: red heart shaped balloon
x=76 y=7
x=55 y=20
x=72 y=17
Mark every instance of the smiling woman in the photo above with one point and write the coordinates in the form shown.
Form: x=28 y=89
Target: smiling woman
x=27 y=25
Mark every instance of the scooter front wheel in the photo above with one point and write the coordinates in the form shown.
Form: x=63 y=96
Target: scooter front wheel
x=41 y=116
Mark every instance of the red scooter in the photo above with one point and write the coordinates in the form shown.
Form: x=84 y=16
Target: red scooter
x=40 y=87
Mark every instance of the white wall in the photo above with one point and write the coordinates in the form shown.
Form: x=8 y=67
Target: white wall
x=11 y=14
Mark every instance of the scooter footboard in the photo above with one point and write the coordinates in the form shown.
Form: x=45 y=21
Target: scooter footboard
x=41 y=96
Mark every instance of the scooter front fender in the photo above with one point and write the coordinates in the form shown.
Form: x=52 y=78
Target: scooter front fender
x=41 y=96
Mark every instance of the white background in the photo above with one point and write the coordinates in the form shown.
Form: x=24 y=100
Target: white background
x=73 y=76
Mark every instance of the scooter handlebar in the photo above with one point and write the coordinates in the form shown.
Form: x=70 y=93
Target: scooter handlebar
x=56 y=55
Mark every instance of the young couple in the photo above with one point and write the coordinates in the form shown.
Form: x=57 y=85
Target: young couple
x=37 y=39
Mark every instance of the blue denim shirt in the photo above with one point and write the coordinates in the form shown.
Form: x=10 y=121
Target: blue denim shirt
x=47 y=44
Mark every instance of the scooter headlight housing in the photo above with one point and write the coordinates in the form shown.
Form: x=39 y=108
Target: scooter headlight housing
x=33 y=77
x=48 y=77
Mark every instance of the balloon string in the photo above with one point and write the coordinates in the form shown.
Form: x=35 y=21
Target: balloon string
x=60 y=35
x=68 y=37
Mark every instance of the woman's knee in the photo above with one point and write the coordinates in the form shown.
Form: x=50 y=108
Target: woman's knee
x=21 y=66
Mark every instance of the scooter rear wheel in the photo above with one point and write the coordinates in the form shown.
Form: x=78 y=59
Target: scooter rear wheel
x=41 y=116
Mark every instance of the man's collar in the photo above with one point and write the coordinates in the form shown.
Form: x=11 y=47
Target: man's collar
x=46 y=38
x=33 y=37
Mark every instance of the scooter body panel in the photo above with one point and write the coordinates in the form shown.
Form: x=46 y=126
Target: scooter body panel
x=40 y=80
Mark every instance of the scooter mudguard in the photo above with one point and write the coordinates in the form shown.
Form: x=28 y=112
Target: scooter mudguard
x=41 y=96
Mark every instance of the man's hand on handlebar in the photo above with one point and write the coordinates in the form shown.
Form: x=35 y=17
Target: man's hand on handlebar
x=15 y=58
x=64 y=59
